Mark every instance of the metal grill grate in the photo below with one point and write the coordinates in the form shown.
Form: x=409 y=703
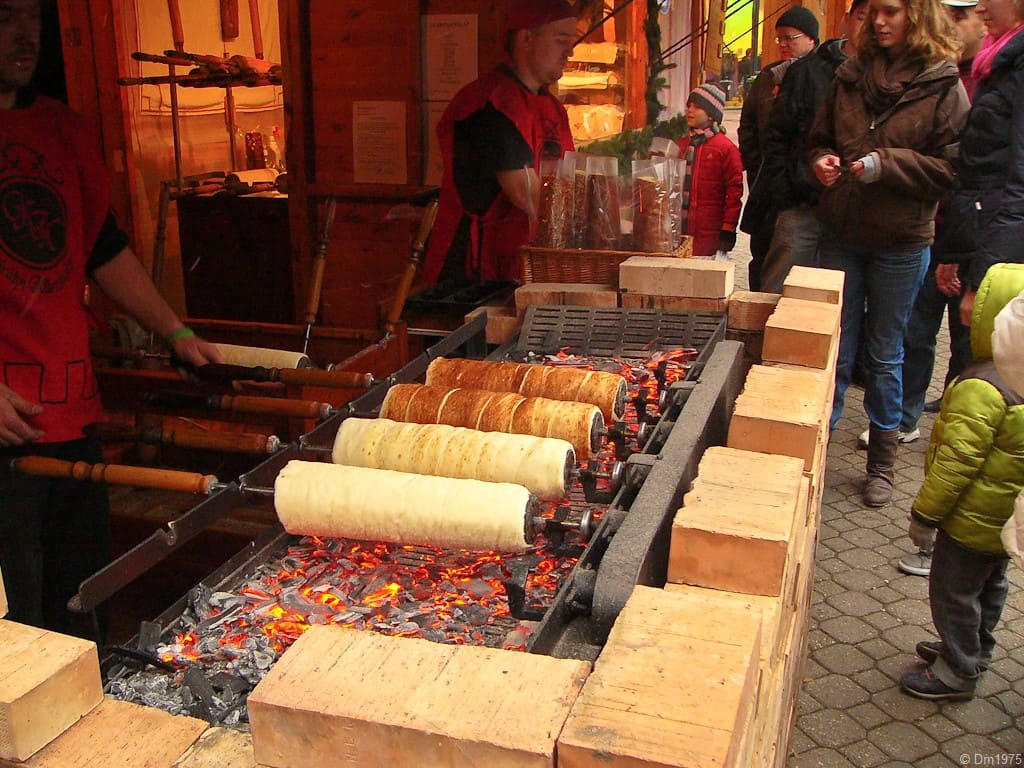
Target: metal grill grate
x=614 y=332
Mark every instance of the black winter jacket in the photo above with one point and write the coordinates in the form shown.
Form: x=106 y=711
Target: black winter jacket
x=984 y=220
x=788 y=177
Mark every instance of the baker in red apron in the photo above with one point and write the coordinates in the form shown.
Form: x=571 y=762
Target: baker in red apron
x=493 y=136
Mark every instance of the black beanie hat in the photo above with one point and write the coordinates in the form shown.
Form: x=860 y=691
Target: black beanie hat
x=800 y=18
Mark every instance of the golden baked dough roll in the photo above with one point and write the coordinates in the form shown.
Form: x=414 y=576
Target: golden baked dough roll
x=396 y=401
x=579 y=424
x=318 y=499
x=542 y=465
x=608 y=391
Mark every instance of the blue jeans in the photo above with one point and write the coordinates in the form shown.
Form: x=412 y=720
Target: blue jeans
x=919 y=346
x=878 y=295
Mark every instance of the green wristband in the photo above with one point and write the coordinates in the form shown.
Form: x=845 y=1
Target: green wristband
x=181 y=333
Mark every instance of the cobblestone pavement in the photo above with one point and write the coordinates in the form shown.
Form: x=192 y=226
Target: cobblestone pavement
x=866 y=617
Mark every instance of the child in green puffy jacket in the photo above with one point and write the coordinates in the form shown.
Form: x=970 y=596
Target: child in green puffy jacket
x=974 y=471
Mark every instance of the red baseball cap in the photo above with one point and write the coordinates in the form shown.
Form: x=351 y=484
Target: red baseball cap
x=529 y=14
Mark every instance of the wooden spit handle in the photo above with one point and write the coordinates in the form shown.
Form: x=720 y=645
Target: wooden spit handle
x=188 y=437
x=319 y=261
x=177 y=33
x=419 y=245
x=302 y=409
x=229 y=442
x=314 y=377
x=116 y=474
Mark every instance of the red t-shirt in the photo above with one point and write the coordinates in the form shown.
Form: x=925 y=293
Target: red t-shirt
x=54 y=198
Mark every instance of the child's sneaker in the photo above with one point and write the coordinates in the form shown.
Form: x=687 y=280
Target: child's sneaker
x=925 y=685
x=917 y=564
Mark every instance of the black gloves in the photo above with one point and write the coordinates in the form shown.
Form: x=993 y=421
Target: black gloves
x=726 y=240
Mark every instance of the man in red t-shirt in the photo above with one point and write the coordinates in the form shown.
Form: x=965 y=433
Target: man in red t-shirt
x=56 y=229
x=493 y=136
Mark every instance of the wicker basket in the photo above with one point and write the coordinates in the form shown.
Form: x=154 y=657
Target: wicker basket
x=575 y=265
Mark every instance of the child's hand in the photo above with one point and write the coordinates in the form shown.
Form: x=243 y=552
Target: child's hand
x=922 y=535
x=726 y=240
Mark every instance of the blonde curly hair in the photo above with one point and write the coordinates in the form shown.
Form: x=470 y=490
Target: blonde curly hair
x=930 y=32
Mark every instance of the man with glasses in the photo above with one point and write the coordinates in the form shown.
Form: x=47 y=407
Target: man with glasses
x=797 y=35
x=786 y=177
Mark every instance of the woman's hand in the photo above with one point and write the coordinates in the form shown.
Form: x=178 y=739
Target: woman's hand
x=947 y=279
x=827 y=169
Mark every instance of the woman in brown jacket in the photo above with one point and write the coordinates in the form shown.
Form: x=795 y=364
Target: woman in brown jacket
x=881 y=148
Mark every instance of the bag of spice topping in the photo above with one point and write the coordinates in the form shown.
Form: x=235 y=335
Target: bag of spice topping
x=675 y=200
x=574 y=167
x=603 y=229
x=652 y=225
x=554 y=219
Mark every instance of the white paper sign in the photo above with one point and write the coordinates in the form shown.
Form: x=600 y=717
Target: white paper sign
x=450 y=58
x=378 y=138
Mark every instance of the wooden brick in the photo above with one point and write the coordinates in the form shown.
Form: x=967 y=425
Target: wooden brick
x=117 y=734
x=802 y=333
x=733 y=533
x=502 y=323
x=47 y=682
x=572 y=294
x=674 y=686
x=367 y=699
x=814 y=284
x=219 y=748
x=661 y=276
x=782 y=416
x=750 y=310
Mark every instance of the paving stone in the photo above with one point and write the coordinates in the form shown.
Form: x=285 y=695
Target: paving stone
x=1009 y=701
x=882 y=620
x=843 y=659
x=862 y=558
x=836 y=692
x=864 y=754
x=848 y=629
x=903 y=708
x=913 y=610
x=940 y=727
x=903 y=740
x=907 y=636
x=820 y=757
x=979 y=716
x=854 y=603
x=972 y=749
x=872 y=680
x=878 y=649
x=885 y=594
x=865 y=537
x=1010 y=740
x=868 y=715
x=831 y=728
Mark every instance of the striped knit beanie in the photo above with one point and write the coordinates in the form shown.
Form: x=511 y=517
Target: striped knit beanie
x=711 y=99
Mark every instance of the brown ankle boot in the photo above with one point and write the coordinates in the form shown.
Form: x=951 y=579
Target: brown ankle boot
x=882 y=446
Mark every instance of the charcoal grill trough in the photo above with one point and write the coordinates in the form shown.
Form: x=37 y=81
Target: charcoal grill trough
x=560 y=598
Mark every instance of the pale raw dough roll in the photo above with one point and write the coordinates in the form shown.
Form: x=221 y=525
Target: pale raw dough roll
x=577 y=423
x=267 y=358
x=608 y=391
x=541 y=464
x=317 y=499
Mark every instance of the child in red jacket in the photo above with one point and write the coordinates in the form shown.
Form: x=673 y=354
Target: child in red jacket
x=714 y=174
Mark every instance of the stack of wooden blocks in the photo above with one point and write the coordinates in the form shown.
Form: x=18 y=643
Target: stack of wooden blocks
x=645 y=282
